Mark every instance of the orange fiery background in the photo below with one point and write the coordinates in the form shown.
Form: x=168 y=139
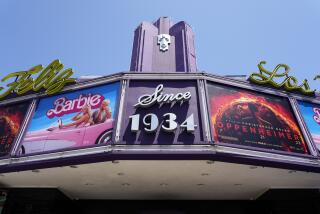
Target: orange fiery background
x=16 y=116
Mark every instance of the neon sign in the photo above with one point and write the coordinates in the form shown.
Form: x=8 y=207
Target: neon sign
x=52 y=79
x=289 y=83
x=148 y=100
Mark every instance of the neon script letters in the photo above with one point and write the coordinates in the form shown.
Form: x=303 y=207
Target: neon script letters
x=51 y=78
x=289 y=83
x=148 y=100
x=64 y=106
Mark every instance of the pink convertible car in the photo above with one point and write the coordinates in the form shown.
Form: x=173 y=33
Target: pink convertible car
x=70 y=137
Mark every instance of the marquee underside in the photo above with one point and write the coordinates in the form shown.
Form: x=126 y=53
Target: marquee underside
x=162 y=179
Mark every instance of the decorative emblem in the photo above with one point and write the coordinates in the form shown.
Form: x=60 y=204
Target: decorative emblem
x=164 y=41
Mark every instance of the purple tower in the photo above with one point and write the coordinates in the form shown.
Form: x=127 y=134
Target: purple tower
x=163 y=47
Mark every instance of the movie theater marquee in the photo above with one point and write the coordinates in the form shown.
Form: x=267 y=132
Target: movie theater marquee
x=189 y=111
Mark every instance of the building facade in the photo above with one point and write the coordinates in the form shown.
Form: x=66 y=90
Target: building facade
x=161 y=131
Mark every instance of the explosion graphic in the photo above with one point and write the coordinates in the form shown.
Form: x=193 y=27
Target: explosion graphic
x=240 y=117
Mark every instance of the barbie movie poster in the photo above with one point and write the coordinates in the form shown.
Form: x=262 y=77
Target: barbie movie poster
x=311 y=116
x=251 y=119
x=11 y=118
x=72 y=120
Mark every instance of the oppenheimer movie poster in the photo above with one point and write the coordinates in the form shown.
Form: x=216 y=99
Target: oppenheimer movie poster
x=11 y=118
x=250 y=119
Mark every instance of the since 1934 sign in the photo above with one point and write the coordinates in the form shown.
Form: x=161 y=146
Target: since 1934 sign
x=162 y=112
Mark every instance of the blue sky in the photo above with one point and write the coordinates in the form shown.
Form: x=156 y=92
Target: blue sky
x=94 y=37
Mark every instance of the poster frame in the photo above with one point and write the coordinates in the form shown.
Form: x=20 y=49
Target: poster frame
x=36 y=103
x=141 y=77
x=240 y=86
x=23 y=125
x=304 y=123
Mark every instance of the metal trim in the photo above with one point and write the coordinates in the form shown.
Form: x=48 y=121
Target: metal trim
x=302 y=126
x=161 y=149
x=124 y=85
x=61 y=154
x=266 y=155
x=162 y=76
x=209 y=112
x=204 y=112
